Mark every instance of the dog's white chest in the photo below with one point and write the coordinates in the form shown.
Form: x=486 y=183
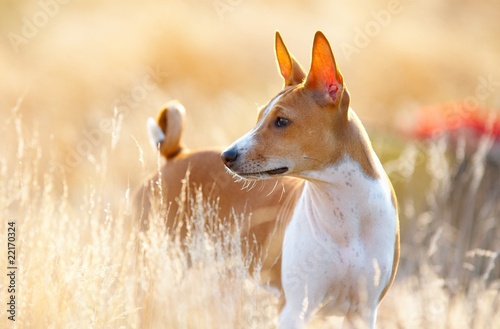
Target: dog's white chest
x=338 y=248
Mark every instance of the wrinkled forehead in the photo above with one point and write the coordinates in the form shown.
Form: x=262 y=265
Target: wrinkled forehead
x=293 y=100
x=264 y=111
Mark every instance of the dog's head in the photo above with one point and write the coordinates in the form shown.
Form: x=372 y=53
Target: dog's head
x=301 y=129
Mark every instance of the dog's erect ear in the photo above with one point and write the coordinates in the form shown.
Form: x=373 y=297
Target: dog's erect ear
x=324 y=76
x=290 y=69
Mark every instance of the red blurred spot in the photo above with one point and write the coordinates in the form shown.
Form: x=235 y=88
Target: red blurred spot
x=453 y=117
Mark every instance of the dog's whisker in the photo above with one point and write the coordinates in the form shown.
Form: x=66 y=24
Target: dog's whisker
x=272 y=190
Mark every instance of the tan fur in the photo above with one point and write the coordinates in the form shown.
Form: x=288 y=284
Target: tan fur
x=309 y=131
x=321 y=131
x=171 y=121
x=346 y=133
x=266 y=206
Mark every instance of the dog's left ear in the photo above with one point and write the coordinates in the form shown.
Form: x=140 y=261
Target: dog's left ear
x=324 y=76
x=290 y=69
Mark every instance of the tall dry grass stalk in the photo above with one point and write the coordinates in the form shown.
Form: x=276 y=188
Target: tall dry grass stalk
x=457 y=217
x=80 y=266
x=450 y=210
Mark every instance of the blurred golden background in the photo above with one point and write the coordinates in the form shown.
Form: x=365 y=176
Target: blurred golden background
x=78 y=80
x=66 y=65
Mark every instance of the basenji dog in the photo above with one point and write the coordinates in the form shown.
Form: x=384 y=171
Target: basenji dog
x=265 y=207
x=341 y=246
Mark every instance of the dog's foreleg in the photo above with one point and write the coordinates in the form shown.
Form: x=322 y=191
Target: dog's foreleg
x=363 y=319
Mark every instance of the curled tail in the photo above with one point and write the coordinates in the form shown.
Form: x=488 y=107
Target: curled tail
x=165 y=133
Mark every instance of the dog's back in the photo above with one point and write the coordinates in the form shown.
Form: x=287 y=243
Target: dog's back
x=266 y=206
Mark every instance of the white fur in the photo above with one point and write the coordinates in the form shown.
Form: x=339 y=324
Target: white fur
x=155 y=134
x=338 y=248
x=271 y=104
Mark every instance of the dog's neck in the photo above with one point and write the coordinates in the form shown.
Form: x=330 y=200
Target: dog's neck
x=339 y=199
x=354 y=155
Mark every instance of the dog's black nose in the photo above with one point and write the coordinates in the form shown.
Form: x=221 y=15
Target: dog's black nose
x=229 y=156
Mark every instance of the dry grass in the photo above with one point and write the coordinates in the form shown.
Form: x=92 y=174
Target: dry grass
x=80 y=265
x=74 y=99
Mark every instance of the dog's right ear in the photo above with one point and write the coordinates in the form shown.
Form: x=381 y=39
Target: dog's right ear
x=290 y=69
x=324 y=76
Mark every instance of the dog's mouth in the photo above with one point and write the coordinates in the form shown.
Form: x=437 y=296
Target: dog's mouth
x=263 y=174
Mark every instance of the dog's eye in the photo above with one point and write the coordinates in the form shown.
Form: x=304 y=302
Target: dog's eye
x=281 y=122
